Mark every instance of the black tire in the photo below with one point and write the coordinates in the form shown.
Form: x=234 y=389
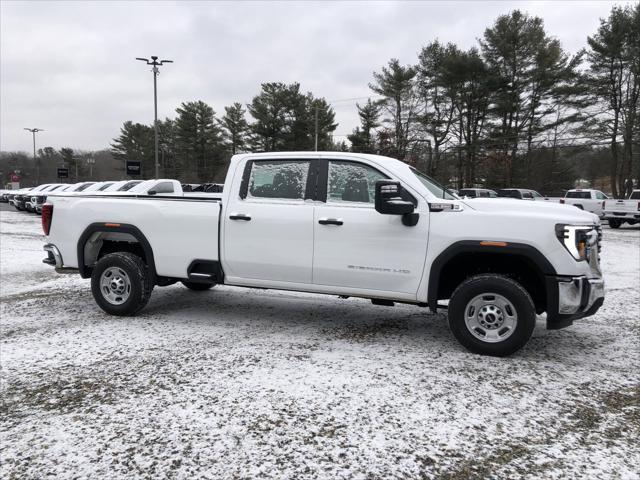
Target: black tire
x=198 y=287
x=500 y=285
x=615 y=223
x=139 y=280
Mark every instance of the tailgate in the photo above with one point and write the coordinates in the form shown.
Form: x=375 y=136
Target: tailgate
x=622 y=206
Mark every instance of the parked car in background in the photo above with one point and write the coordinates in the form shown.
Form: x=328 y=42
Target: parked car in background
x=522 y=194
x=4 y=195
x=586 y=199
x=18 y=199
x=39 y=197
x=618 y=212
x=477 y=193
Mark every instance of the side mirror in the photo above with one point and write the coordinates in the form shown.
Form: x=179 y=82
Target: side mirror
x=389 y=199
x=151 y=192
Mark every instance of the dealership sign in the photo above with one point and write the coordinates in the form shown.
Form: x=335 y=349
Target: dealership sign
x=133 y=168
x=63 y=173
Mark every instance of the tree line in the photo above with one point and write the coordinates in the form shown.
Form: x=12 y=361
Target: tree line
x=514 y=110
x=196 y=145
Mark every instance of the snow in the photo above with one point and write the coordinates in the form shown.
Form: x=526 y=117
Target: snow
x=250 y=383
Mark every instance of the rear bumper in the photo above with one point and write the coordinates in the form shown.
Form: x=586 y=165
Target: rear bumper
x=622 y=215
x=54 y=258
x=572 y=298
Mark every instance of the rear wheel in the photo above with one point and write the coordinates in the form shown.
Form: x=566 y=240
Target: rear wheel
x=199 y=287
x=615 y=223
x=121 y=284
x=491 y=315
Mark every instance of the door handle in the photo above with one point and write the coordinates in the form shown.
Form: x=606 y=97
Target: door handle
x=240 y=216
x=330 y=221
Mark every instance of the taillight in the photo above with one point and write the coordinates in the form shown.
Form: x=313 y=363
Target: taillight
x=47 y=215
x=562 y=200
x=639 y=206
x=603 y=205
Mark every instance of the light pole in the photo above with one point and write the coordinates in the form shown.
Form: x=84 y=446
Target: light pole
x=90 y=161
x=155 y=63
x=33 y=132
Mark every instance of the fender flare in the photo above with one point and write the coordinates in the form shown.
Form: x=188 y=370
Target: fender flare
x=476 y=246
x=85 y=272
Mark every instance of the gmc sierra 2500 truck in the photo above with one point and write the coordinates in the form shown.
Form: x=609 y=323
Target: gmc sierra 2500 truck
x=340 y=224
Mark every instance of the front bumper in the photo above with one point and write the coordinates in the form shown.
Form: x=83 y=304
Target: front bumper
x=571 y=298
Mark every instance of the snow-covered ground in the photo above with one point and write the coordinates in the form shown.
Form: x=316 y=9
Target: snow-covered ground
x=236 y=383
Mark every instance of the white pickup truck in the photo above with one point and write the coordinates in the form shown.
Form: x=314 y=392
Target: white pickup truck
x=586 y=199
x=617 y=212
x=339 y=224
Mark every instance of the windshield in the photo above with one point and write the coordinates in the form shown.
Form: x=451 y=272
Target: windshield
x=434 y=187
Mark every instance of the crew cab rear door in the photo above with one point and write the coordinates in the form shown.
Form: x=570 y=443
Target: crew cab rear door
x=268 y=225
x=357 y=248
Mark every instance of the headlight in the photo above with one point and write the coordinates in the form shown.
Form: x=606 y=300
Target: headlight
x=577 y=239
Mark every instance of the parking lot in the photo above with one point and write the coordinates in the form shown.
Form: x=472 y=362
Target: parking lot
x=239 y=383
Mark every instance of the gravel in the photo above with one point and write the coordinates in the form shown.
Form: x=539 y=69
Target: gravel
x=239 y=383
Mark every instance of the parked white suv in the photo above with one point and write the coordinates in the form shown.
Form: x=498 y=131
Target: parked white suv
x=340 y=224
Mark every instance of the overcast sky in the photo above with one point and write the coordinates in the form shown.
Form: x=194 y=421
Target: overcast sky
x=69 y=68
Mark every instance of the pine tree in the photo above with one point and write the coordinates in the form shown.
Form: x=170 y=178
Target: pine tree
x=135 y=143
x=236 y=127
x=395 y=83
x=363 y=137
x=614 y=79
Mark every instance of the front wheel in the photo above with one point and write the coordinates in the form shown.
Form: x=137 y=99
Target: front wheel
x=615 y=223
x=121 y=284
x=491 y=315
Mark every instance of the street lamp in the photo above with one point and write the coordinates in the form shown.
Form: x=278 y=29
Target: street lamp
x=155 y=63
x=34 y=131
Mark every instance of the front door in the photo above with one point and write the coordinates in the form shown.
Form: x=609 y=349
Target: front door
x=268 y=227
x=358 y=248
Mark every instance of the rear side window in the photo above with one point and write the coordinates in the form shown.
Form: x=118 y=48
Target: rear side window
x=129 y=185
x=509 y=193
x=635 y=195
x=82 y=188
x=162 y=187
x=578 y=195
x=466 y=192
x=352 y=182
x=283 y=179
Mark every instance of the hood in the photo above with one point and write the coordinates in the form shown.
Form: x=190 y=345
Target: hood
x=557 y=211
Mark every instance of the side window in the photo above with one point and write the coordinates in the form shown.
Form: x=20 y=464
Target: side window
x=601 y=196
x=283 y=179
x=163 y=187
x=352 y=182
x=527 y=195
x=536 y=194
x=484 y=193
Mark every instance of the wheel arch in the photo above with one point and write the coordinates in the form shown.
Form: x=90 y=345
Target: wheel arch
x=482 y=252
x=126 y=231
